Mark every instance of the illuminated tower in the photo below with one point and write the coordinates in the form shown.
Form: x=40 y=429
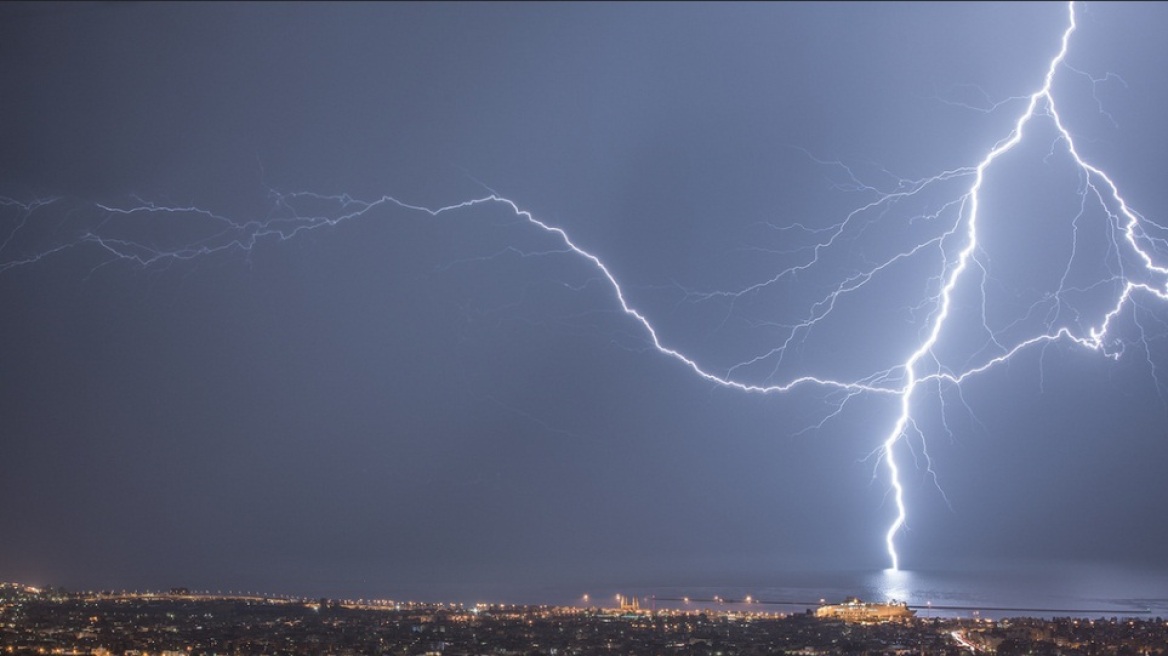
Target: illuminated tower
x=629 y=603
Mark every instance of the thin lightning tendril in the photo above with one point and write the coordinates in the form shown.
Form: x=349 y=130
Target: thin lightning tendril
x=921 y=367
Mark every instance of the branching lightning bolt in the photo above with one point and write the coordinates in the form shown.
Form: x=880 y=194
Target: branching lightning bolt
x=958 y=243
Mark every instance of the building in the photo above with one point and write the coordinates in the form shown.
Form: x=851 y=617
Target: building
x=854 y=610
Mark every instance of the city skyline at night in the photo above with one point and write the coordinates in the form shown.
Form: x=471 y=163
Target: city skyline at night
x=530 y=297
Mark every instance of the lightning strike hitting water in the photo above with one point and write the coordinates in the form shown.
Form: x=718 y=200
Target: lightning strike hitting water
x=958 y=244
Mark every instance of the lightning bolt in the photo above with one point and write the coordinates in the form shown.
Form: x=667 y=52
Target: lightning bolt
x=1099 y=185
x=957 y=243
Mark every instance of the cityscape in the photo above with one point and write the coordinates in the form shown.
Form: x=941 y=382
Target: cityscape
x=180 y=622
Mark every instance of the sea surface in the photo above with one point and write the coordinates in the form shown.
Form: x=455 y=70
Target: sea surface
x=1032 y=590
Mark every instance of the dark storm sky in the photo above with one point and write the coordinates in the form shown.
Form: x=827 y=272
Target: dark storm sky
x=404 y=403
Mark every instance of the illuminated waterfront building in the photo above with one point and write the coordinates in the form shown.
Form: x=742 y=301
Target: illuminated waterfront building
x=854 y=610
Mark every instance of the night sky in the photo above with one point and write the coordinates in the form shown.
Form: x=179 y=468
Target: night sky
x=397 y=403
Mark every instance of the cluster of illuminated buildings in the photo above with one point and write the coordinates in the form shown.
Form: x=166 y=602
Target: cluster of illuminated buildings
x=180 y=623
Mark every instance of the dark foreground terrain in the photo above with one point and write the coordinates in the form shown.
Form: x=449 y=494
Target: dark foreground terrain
x=34 y=621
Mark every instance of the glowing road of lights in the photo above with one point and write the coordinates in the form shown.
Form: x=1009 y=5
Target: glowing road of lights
x=1132 y=266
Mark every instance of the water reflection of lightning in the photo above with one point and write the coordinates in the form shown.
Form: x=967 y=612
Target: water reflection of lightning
x=958 y=243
